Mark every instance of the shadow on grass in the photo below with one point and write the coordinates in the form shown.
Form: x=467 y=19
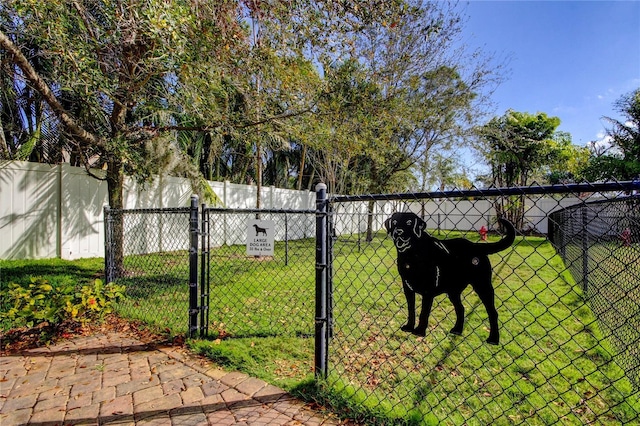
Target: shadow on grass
x=53 y=270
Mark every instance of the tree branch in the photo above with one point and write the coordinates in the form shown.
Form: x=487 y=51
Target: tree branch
x=32 y=77
x=208 y=127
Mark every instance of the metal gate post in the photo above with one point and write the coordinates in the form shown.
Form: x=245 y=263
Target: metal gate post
x=321 y=320
x=193 y=267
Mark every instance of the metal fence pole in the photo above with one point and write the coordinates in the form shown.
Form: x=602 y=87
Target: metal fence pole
x=321 y=338
x=193 y=267
x=204 y=274
x=286 y=240
x=585 y=248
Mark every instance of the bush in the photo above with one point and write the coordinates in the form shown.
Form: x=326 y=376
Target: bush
x=40 y=302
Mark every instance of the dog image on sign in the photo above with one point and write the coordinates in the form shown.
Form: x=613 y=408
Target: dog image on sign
x=260 y=237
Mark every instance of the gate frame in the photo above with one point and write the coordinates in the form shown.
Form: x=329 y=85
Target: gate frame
x=205 y=256
x=321 y=358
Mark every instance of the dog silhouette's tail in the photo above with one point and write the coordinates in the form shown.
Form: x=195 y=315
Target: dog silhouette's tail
x=505 y=242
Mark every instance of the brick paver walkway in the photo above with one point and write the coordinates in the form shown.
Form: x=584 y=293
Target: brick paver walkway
x=118 y=380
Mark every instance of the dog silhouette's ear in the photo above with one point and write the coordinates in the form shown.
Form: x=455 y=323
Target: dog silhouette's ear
x=387 y=224
x=419 y=226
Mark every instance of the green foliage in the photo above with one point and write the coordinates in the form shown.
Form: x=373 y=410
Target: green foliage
x=621 y=159
x=40 y=302
x=36 y=303
x=292 y=92
x=517 y=145
x=95 y=300
x=524 y=148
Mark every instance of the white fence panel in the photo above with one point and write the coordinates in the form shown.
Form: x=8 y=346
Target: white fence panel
x=29 y=210
x=81 y=227
x=57 y=211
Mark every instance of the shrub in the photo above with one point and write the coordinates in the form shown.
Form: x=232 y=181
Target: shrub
x=40 y=302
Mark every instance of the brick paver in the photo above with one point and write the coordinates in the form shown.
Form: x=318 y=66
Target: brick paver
x=117 y=380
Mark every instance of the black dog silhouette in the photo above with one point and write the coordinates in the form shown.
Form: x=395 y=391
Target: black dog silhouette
x=431 y=267
x=260 y=230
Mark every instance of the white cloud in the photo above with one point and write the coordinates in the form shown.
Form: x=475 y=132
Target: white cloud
x=603 y=145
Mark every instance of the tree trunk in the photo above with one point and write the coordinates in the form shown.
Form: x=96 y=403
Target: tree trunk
x=115 y=182
x=258 y=173
x=301 y=168
x=370 y=208
x=4 y=148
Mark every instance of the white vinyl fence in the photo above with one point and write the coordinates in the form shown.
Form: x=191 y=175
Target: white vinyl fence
x=57 y=211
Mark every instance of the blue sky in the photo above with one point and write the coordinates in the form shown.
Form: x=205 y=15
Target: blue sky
x=570 y=59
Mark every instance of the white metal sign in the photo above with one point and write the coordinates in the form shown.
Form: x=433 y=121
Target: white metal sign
x=260 y=237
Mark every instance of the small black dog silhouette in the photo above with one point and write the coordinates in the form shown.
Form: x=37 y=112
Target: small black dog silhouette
x=260 y=230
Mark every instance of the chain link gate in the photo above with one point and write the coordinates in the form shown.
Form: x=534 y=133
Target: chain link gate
x=186 y=270
x=154 y=253
x=258 y=295
x=558 y=361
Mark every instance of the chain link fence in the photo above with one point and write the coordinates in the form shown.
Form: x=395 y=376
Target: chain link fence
x=148 y=252
x=559 y=360
x=568 y=352
x=599 y=243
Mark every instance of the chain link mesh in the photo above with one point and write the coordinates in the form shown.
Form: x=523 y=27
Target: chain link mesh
x=599 y=244
x=152 y=261
x=253 y=296
x=566 y=355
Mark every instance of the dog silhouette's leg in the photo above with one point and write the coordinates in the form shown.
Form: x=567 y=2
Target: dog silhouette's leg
x=487 y=297
x=459 y=308
x=421 y=329
x=410 y=295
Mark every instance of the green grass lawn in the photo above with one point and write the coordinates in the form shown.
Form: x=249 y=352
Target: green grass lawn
x=553 y=364
x=157 y=290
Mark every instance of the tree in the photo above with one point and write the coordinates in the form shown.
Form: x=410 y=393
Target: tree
x=439 y=86
x=566 y=161
x=117 y=73
x=519 y=147
x=124 y=77
x=621 y=158
x=358 y=95
x=446 y=173
x=516 y=145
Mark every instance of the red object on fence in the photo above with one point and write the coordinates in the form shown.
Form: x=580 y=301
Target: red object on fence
x=625 y=236
x=483 y=233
